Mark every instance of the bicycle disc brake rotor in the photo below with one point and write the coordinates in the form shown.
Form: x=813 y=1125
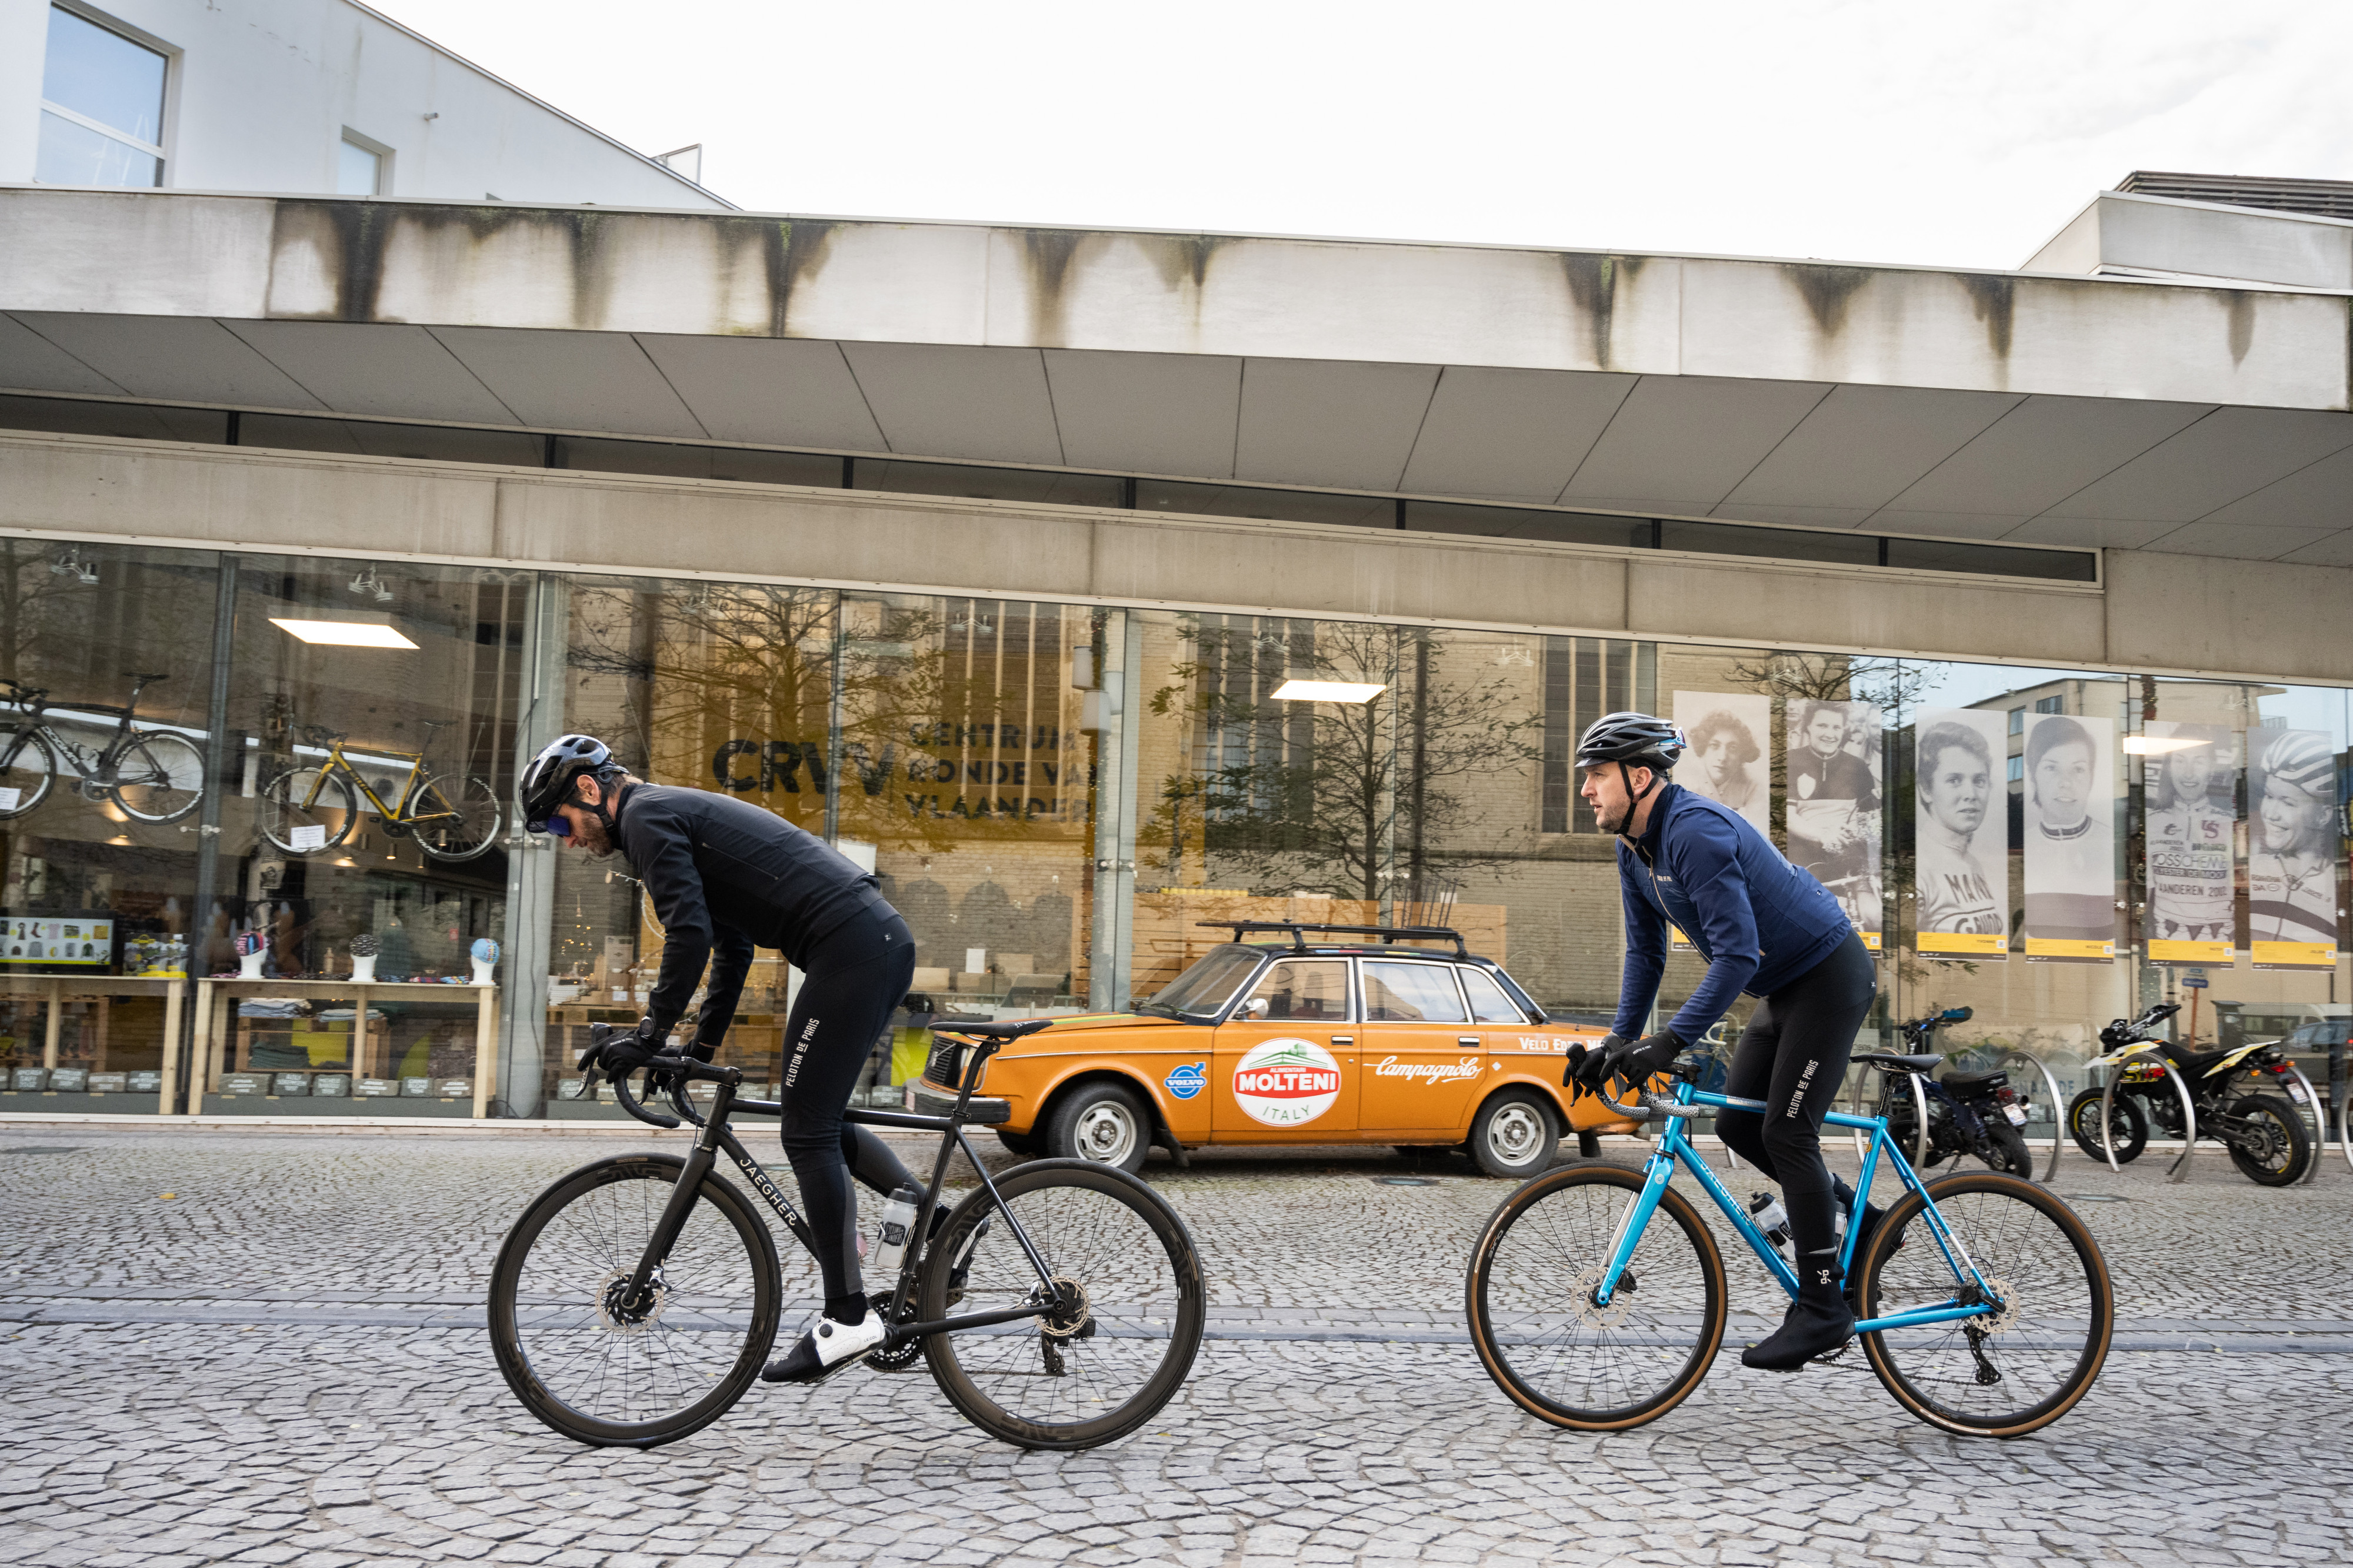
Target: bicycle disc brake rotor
x=1590 y=1314
x=1071 y=1318
x=627 y=1320
x=2004 y=1317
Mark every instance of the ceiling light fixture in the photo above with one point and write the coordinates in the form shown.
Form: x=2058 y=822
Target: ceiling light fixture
x=69 y=563
x=1326 y=691
x=342 y=634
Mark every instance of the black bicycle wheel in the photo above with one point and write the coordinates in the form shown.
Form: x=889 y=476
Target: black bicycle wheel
x=305 y=810
x=599 y=1371
x=456 y=818
x=2019 y=1370
x=1099 y=1368
x=24 y=782
x=2127 y=1127
x=1535 y=1324
x=160 y=777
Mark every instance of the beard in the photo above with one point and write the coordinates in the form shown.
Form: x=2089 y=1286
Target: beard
x=593 y=838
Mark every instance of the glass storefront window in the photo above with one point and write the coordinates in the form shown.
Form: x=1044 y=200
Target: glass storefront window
x=939 y=742
x=370 y=716
x=106 y=660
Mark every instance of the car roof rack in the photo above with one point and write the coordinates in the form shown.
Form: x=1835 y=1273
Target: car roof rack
x=1388 y=934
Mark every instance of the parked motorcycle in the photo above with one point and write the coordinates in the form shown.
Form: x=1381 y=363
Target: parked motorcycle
x=2250 y=1097
x=1973 y=1114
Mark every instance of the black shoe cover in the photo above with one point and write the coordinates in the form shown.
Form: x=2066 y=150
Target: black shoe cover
x=1819 y=1322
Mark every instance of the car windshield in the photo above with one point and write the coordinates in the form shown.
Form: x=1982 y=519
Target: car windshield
x=1206 y=987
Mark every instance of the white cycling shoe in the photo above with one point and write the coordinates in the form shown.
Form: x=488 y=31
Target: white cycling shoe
x=826 y=1348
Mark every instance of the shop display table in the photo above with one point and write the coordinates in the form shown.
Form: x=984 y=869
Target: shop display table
x=57 y=989
x=216 y=1032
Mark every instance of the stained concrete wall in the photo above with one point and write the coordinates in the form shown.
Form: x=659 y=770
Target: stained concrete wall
x=2162 y=613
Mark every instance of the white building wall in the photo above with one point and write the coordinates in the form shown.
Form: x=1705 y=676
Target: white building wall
x=262 y=91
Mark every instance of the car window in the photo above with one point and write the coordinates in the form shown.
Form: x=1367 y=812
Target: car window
x=1304 y=991
x=1203 y=989
x=1410 y=994
x=1488 y=1003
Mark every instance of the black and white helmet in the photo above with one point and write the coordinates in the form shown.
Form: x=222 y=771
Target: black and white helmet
x=547 y=782
x=1638 y=739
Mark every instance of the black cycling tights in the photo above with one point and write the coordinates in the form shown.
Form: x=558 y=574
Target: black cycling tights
x=1793 y=1056
x=856 y=974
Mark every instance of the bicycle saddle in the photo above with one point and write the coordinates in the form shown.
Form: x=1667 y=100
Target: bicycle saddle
x=994 y=1031
x=1888 y=1061
x=1971 y=1082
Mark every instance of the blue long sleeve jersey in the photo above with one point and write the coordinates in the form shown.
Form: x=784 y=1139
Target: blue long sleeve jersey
x=1758 y=921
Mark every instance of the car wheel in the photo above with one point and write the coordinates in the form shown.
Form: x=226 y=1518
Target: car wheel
x=1514 y=1135
x=1103 y=1121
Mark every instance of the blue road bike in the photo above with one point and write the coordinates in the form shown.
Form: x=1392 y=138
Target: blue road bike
x=1597 y=1293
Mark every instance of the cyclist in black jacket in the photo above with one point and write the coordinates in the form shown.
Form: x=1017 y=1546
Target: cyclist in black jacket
x=724 y=878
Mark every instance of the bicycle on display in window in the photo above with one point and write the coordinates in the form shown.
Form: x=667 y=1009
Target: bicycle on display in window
x=1059 y=1305
x=153 y=776
x=1596 y=1294
x=306 y=809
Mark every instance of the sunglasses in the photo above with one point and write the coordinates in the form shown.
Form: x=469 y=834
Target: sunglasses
x=554 y=827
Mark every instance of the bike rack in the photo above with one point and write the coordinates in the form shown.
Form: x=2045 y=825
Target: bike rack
x=2058 y=1106
x=1919 y=1150
x=2319 y=1109
x=2179 y=1170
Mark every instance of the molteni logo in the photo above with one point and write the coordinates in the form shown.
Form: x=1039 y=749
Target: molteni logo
x=1286 y=1083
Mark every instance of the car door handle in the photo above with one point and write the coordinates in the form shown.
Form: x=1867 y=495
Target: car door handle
x=1468 y=1040
x=1344 y=1039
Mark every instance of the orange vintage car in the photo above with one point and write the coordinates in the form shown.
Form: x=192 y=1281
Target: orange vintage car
x=1298 y=1042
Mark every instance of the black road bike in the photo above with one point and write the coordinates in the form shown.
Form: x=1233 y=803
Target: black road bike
x=1972 y=1114
x=2250 y=1097
x=1058 y=1306
x=153 y=775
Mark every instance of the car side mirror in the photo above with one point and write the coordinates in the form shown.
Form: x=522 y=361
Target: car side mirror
x=1256 y=1007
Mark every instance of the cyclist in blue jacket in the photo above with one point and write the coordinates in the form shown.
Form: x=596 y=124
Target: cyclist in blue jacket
x=1765 y=928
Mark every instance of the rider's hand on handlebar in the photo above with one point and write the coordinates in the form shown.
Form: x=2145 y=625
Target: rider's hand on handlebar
x=621 y=1054
x=1634 y=1061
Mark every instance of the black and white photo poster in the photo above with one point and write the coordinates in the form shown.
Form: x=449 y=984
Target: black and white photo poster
x=1832 y=799
x=2290 y=850
x=1728 y=733
x=1961 y=828
x=2189 y=776
x=2071 y=837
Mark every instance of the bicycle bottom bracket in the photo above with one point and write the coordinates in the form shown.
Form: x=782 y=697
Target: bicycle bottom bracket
x=618 y=1313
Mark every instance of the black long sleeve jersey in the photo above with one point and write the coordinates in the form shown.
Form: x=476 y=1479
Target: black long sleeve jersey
x=725 y=877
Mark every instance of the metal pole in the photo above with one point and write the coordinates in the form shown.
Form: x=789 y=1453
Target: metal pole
x=207 y=827
x=531 y=864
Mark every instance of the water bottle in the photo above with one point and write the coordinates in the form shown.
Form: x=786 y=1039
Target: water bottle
x=1771 y=1218
x=898 y=1220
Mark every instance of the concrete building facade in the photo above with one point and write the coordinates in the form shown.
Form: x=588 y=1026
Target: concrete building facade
x=983 y=550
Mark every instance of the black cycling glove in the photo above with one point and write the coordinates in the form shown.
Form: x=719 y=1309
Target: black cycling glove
x=1634 y=1061
x=622 y=1054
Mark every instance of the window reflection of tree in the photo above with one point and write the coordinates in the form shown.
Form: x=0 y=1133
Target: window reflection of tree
x=1330 y=797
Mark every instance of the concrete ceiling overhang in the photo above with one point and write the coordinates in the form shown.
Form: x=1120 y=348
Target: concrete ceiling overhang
x=2032 y=408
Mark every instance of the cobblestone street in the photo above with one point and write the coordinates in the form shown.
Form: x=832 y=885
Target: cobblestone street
x=283 y=1363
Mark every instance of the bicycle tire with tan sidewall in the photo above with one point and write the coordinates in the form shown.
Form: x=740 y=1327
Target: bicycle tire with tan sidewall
x=1880 y=1246
x=1495 y=1354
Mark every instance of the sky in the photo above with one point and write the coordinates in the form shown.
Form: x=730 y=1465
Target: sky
x=1957 y=134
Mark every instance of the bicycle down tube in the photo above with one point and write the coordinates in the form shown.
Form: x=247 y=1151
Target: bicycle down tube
x=1675 y=1147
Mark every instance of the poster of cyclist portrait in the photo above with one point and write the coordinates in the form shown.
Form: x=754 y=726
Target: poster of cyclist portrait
x=1832 y=799
x=2070 y=838
x=2290 y=850
x=2189 y=775
x=1961 y=826
x=1728 y=733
